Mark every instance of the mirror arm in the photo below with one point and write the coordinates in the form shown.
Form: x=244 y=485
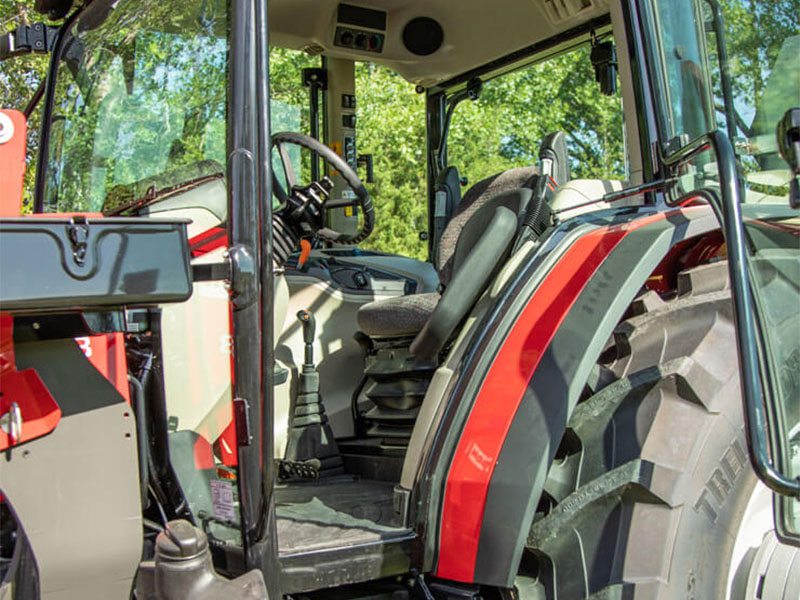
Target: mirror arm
x=727 y=206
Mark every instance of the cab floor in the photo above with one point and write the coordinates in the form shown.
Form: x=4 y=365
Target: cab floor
x=341 y=512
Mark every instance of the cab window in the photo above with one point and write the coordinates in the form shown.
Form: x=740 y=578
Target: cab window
x=514 y=112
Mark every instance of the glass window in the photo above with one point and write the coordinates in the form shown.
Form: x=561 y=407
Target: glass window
x=775 y=274
x=682 y=72
x=390 y=119
x=140 y=101
x=763 y=42
x=140 y=105
x=290 y=106
x=762 y=39
x=504 y=127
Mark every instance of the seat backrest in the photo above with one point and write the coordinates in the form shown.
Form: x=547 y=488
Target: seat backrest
x=475 y=198
x=484 y=245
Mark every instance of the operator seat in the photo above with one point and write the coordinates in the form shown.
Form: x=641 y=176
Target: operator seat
x=405 y=316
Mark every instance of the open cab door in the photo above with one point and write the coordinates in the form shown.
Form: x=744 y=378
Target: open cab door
x=774 y=264
x=738 y=150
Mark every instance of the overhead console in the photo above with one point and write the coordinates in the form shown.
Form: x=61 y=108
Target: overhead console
x=425 y=41
x=360 y=28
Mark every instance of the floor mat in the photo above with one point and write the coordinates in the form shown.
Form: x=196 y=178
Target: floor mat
x=317 y=516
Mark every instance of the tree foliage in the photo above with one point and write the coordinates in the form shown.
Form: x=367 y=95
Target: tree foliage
x=500 y=130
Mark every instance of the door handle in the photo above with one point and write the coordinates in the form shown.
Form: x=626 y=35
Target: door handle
x=11 y=423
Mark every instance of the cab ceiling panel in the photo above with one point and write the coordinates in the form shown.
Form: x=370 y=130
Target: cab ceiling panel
x=425 y=41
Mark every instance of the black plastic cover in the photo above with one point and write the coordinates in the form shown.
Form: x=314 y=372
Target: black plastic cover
x=77 y=263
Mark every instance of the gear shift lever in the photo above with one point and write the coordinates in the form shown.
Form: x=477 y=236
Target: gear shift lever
x=311 y=449
x=309 y=325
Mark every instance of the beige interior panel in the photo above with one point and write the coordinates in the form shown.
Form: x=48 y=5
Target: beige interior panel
x=76 y=492
x=475 y=31
x=206 y=206
x=197 y=346
x=337 y=354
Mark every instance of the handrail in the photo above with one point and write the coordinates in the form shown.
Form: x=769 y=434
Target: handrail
x=727 y=206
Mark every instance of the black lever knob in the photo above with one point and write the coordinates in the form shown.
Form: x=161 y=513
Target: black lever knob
x=309 y=326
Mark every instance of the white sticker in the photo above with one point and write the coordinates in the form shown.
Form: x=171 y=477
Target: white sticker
x=86 y=345
x=222 y=500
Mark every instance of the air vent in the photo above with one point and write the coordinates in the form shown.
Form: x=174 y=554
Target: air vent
x=563 y=10
x=313 y=49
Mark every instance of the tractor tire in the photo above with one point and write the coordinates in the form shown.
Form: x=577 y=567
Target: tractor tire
x=652 y=477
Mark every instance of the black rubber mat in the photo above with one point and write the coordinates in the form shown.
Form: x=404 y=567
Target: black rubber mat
x=342 y=512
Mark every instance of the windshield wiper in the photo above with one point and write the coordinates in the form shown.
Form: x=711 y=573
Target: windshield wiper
x=153 y=195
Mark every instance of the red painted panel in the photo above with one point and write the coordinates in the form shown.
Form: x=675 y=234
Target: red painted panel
x=107 y=353
x=13 y=143
x=38 y=409
x=502 y=391
x=211 y=239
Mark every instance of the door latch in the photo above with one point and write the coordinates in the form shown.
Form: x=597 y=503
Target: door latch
x=78 y=234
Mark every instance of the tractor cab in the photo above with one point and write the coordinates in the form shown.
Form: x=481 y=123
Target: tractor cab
x=416 y=234
x=367 y=331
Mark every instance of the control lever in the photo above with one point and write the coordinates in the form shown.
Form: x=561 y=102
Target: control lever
x=309 y=325
x=311 y=450
x=367 y=161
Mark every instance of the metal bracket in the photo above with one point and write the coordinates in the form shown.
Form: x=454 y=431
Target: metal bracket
x=28 y=39
x=315 y=77
x=243 y=275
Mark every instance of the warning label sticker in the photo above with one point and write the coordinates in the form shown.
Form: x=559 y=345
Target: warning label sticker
x=222 y=499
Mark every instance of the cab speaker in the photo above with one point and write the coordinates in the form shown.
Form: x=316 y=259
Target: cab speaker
x=423 y=36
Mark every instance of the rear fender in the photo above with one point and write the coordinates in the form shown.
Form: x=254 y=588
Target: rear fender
x=525 y=377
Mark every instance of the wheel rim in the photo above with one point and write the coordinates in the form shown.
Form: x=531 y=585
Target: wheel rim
x=756 y=522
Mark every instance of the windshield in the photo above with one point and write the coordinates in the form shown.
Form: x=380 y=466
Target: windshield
x=139 y=104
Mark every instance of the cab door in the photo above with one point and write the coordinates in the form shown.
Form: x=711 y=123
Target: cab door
x=729 y=131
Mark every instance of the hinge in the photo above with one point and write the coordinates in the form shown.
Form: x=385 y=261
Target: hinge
x=241 y=416
x=28 y=39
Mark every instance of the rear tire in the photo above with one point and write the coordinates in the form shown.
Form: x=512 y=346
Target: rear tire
x=652 y=478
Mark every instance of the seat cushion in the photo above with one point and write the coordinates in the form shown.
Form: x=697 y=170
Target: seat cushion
x=397 y=317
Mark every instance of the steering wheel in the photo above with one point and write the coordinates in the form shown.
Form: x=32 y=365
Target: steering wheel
x=302 y=206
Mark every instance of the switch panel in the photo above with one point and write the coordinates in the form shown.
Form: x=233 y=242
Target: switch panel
x=348 y=101
x=350 y=151
x=359 y=39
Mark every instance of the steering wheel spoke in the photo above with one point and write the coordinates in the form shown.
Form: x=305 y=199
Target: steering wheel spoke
x=304 y=205
x=288 y=168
